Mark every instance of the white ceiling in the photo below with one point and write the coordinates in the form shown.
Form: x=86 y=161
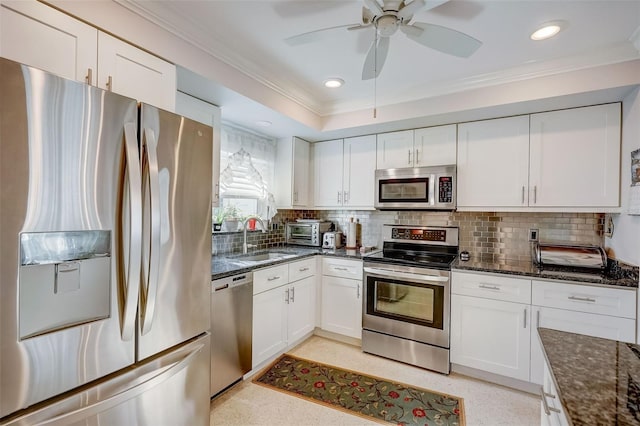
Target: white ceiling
x=249 y=35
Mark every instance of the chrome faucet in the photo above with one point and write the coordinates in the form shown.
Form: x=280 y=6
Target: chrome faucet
x=245 y=246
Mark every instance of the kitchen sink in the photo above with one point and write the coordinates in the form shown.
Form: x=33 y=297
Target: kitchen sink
x=253 y=258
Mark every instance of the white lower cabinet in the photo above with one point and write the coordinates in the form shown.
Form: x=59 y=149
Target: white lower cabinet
x=608 y=313
x=283 y=312
x=551 y=410
x=342 y=297
x=490 y=328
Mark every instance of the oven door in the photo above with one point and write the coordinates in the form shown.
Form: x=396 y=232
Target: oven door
x=412 y=303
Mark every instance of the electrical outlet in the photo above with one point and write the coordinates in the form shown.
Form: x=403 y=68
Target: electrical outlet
x=533 y=234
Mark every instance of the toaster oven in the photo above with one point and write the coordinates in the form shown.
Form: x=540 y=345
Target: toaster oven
x=307 y=233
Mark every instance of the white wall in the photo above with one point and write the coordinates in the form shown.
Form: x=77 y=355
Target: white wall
x=625 y=243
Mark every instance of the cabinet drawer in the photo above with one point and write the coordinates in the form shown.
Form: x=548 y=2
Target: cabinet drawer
x=302 y=269
x=268 y=278
x=491 y=287
x=616 y=302
x=343 y=268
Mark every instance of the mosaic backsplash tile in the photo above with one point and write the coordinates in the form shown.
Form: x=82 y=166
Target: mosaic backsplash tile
x=501 y=236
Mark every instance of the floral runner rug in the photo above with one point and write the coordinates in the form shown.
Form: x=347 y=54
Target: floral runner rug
x=366 y=396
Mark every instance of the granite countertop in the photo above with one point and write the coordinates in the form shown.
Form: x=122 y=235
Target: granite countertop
x=598 y=380
x=616 y=274
x=224 y=265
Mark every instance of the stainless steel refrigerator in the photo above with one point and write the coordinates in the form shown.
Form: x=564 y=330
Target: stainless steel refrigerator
x=105 y=248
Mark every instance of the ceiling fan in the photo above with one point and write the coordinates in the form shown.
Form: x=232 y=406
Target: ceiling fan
x=386 y=19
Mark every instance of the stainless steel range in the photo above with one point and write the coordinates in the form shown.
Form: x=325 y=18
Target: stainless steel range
x=407 y=292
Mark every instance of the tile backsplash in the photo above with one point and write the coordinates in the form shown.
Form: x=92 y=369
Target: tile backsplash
x=495 y=236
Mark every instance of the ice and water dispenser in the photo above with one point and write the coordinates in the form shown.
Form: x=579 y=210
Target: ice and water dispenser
x=64 y=280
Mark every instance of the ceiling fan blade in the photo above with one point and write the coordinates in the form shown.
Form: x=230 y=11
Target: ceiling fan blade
x=411 y=30
x=410 y=9
x=375 y=58
x=374 y=6
x=316 y=35
x=445 y=40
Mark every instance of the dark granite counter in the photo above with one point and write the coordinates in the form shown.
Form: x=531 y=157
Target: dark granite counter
x=598 y=380
x=616 y=274
x=224 y=265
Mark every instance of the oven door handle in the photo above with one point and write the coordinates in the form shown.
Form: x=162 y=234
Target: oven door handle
x=413 y=277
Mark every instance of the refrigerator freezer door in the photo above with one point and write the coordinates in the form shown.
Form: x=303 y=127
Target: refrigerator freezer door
x=62 y=171
x=176 y=179
x=171 y=389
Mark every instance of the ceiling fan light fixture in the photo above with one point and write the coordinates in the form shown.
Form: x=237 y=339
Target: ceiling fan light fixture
x=548 y=30
x=333 y=83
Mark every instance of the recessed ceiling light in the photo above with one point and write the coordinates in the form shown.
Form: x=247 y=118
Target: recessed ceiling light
x=548 y=30
x=333 y=83
x=263 y=123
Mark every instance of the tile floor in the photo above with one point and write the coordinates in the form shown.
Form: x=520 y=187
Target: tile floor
x=485 y=404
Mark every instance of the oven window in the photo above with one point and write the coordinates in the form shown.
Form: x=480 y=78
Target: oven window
x=398 y=190
x=300 y=232
x=416 y=303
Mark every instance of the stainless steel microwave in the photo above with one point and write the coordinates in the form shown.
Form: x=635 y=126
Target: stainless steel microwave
x=307 y=232
x=420 y=188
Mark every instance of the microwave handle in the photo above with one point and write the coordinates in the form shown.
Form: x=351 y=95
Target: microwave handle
x=432 y=190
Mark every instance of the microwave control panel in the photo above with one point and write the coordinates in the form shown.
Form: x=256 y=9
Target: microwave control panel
x=445 y=189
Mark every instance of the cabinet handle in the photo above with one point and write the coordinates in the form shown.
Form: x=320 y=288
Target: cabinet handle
x=582 y=299
x=538 y=319
x=293 y=294
x=273 y=278
x=409 y=162
x=286 y=296
x=295 y=196
x=303 y=269
x=535 y=194
x=417 y=157
x=545 y=405
x=489 y=287
x=216 y=195
x=340 y=269
x=339 y=197
x=358 y=292
x=89 y=77
x=525 y=317
x=522 y=194
x=346 y=197
x=110 y=84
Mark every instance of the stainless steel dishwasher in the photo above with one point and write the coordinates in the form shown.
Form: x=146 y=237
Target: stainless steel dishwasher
x=231 y=328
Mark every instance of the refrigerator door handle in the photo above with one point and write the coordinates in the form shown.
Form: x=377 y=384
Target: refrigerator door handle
x=151 y=165
x=134 y=258
x=116 y=399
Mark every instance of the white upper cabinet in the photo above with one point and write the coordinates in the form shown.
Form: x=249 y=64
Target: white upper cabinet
x=129 y=71
x=395 y=150
x=208 y=114
x=493 y=163
x=344 y=172
x=435 y=146
x=431 y=146
x=292 y=173
x=567 y=160
x=37 y=35
x=575 y=157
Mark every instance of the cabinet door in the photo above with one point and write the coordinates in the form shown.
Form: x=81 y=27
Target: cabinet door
x=269 y=324
x=493 y=163
x=300 y=174
x=491 y=335
x=342 y=306
x=302 y=309
x=35 y=34
x=359 y=171
x=435 y=146
x=604 y=326
x=575 y=157
x=210 y=115
x=327 y=182
x=394 y=150
x=129 y=71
